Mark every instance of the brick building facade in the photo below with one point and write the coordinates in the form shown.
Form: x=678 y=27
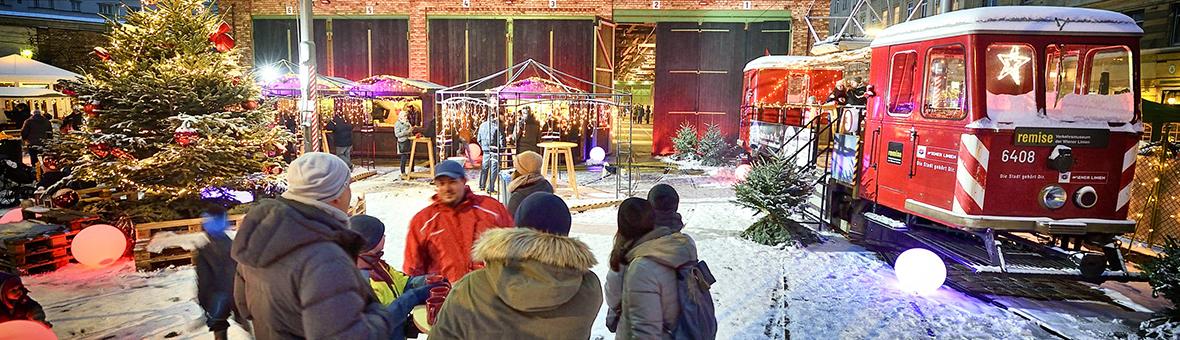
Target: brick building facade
x=241 y=12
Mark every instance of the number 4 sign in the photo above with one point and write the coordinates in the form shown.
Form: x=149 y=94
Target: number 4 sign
x=466 y=3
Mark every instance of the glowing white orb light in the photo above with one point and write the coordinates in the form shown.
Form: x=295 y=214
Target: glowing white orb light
x=25 y=330
x=98 y=245
x=12 y=216
x=920 y=271
x=268 y=74
x=597 y=154
x=742 y=172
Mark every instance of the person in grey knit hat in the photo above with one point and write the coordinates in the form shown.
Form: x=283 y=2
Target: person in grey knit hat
x=296 y=275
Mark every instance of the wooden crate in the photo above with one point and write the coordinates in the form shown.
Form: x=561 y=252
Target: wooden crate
x=146 y=260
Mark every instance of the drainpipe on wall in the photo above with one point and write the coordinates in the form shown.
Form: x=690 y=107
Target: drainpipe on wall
x=945 y=6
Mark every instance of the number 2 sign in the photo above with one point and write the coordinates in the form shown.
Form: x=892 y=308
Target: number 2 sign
x=655 y=4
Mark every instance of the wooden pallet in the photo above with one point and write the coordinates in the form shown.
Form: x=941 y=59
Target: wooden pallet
x=45 y=267
x=146 y=260
x=36 y=253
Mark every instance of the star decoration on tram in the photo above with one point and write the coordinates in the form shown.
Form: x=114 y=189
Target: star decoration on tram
x=1012 y=61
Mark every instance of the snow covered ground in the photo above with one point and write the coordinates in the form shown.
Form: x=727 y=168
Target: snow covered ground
x=834 y=290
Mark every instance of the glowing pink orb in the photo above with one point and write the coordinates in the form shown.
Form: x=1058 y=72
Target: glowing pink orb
x=742 y=172
x=99 y=245
x=12 y=216
x=920 y=271
x=597 y=154
x=25 y=330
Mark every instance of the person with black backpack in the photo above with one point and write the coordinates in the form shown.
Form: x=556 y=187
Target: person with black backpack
x=656 y=287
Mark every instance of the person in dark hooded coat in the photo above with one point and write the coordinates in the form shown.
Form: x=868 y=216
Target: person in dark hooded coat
x=537 y=283
x=664 y=204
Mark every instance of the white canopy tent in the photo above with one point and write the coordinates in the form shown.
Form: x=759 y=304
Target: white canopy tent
x=19 y=71
x=23 y=80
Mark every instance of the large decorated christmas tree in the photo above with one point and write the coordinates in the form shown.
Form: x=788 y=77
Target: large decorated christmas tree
x=171 y=113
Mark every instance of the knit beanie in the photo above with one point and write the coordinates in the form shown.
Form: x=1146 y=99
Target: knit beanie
x=635 y=218
x=663 y=197
x=527 y=162
x=370 y=228
x=544 y=212
x=317 y=176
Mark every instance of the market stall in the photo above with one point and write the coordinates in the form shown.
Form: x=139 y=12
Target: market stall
x=55 y=103
x=564 y=108
x=385 y=97
x=332 y=99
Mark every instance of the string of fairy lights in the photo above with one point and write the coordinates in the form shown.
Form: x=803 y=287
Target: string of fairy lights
x=557 y=115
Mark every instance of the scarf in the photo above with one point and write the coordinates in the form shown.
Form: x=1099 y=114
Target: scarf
x=524 y=180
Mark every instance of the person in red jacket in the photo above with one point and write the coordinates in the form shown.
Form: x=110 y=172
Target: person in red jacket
x=440 y=236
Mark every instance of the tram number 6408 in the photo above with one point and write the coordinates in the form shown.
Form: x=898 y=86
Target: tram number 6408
x=1018 y=156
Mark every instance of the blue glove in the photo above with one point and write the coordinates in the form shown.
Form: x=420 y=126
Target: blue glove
x=405 y=303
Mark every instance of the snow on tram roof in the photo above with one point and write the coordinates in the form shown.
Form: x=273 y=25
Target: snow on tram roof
x=775 y=61
x=1023 y=19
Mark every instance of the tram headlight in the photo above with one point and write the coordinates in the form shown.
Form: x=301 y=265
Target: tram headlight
x=1053 y=197
x=1086 y=197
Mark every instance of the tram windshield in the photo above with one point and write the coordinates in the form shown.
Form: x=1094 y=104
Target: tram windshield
x=1082 y=82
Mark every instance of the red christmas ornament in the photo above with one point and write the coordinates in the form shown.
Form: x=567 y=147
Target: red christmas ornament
x=250 y=104
x=221 y=39
x=102 y=54
x=100 y=149
x=185 y=135
x=273 y=170
x=121 y=154
x=65 y=198
x=89 y=109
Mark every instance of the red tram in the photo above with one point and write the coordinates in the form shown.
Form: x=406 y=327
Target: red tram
x=986 y=122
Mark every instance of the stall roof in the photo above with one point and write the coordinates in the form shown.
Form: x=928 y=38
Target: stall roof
x=388 y=86
x=775 y=61
x=288 y=85
x=1160 y=113
x=28 y=92
x=17 y=69
x=554 y=79
x=1010 y=19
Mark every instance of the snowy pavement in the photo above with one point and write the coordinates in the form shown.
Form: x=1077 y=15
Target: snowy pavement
x=834 y=290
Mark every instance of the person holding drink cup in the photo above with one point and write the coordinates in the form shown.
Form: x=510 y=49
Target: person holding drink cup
x=536 y=283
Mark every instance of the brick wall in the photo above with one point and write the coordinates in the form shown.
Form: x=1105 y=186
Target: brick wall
x=239 y=13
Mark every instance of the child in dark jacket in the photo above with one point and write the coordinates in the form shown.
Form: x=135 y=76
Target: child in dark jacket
x=15 y=302
x=215 y=273
x=394 y=289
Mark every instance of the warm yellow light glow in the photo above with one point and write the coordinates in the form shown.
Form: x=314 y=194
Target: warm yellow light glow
x=27 y=53
x=1172 y=101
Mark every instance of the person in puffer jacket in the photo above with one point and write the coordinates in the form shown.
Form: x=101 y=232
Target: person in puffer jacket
x=641 y=291
x=537 y=283
x=297 y=277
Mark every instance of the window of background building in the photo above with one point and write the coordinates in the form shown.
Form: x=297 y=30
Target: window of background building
x=106 y=9
x=76 y=5
x=1171 y=132
x=1146 y=136
x=1136 y=15
x=1175 y=21
x=990 y=3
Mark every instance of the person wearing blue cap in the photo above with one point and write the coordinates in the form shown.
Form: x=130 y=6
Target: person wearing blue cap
x=440 y=236
x=537 y=283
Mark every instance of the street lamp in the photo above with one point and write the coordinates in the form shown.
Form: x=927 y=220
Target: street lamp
x=27 y=53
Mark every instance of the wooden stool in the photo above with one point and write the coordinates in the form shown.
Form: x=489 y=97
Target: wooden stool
x=552 y=154
x=429 y=144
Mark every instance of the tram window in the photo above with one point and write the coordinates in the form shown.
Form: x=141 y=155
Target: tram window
x=1061 y=75
x=1108 y=84
x=901 y=83
x=797 y=89
x=1010 y=77
x=946 y=77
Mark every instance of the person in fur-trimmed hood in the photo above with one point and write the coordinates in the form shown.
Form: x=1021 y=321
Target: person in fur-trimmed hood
x=537 y=283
